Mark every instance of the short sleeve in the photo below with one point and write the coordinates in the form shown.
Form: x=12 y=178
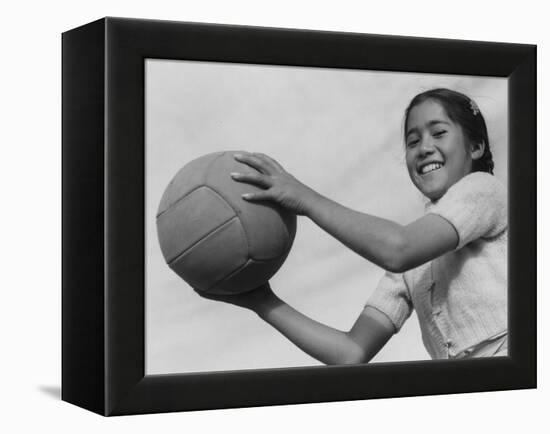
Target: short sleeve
x=392 y=298
x=476 y=206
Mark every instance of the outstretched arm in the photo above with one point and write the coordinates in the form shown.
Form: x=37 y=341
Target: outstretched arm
x=326 y=344
x=390 y=245
x=369 y=334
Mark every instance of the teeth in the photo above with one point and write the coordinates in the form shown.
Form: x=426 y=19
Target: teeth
x=430 y=168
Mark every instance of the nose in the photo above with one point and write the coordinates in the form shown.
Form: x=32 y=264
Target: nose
x=426 y=146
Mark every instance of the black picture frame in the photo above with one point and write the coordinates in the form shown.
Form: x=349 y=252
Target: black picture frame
x=103 y=215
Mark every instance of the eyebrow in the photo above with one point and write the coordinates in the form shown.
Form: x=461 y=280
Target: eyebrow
x=429 y=124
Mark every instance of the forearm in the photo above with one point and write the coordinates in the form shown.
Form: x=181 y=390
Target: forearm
x=390 y=245
x=376 y=239
x=326 y=344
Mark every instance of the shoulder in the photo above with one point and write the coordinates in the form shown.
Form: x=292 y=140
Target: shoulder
x=476 y=191
x=392 y=298
x=477 y=184
x=476 y=206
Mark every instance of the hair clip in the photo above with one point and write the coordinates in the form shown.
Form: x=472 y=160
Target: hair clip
x=474 y=107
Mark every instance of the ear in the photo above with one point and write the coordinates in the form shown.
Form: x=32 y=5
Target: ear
x=477 y=150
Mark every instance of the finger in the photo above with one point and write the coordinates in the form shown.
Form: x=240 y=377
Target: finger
x=201 y=293
x=263 y=287
x=271 y=162
x=257 y=179
x=259 y=196
x=210 y=296
x=253 y=161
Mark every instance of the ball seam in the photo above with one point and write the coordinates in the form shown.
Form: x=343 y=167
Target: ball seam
x=236 y=215
x=199 y=241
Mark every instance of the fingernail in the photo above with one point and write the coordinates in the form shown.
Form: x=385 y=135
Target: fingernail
x=238 y=155
x=234 y=174
x=247 y=196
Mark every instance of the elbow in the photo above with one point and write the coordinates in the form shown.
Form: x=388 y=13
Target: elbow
x=348 y=360
x=355 y=355
x=356 y=359
x=393 y=266
x=396 y=265
x=395 y=259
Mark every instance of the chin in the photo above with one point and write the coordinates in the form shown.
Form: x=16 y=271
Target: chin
x=435 y=195
x=433 y=192
x=433 y=185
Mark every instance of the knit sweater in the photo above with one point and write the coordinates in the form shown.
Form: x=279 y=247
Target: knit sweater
x=460 y=297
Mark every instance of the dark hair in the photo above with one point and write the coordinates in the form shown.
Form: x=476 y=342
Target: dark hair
x=465 y=112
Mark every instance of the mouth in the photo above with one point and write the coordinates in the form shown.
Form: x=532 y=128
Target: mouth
x=429 y=167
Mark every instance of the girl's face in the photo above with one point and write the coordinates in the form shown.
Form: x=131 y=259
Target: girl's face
x=437 y=151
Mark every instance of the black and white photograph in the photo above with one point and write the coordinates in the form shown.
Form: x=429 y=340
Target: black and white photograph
x=274 y=217
x=306 y=216
x=286 y=217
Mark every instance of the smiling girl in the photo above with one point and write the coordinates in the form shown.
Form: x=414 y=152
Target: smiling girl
x=449 y=265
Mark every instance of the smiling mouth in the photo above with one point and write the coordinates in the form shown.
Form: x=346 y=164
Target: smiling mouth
x=430 y=168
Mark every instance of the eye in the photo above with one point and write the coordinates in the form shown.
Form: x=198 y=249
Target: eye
x=413 y=142
x=439 y=133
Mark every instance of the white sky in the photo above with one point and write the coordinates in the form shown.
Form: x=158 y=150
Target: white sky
x=339 y=131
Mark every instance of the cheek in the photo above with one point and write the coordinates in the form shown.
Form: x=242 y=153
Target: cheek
x=413 y=176
x=459 y=157
x=458 y=147
x=409 y=160
x=411 y=171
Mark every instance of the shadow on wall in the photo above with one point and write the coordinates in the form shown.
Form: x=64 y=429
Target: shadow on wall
x=51 y=391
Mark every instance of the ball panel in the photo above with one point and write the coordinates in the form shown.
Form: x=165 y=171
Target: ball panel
x=268 y=236
x=272 y=238
x=214 y=257
x=187 y=179
x=190 y=219
x=250 y=276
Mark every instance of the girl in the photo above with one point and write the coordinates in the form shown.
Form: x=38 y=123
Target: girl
x=449 y=265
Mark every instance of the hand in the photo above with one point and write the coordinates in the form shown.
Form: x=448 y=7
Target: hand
x=278 y=185
x=257 y=300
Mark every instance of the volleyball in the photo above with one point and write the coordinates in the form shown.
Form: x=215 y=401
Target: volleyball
x=211 y=237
